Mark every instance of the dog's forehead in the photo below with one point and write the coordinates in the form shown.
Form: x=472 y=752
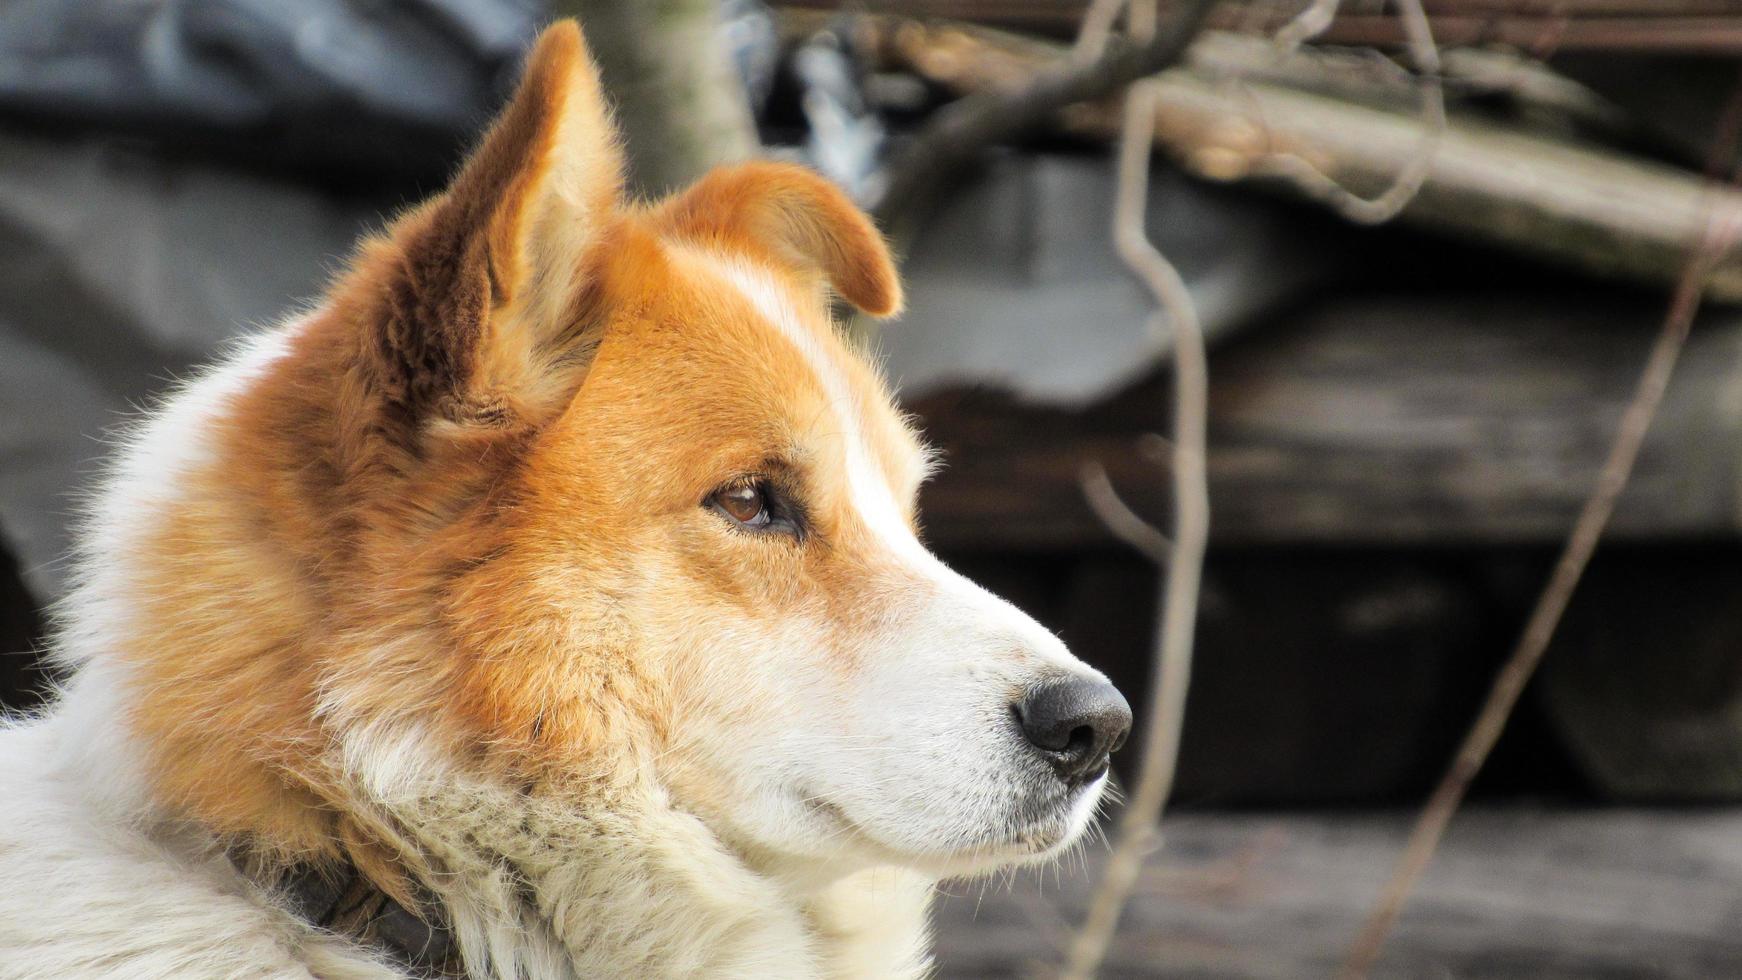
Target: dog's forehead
x=775 y=335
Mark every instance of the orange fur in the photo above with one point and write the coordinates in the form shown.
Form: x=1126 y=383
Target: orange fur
x=792 y=216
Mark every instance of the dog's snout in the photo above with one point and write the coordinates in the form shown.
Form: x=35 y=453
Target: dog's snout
x=1076 y=724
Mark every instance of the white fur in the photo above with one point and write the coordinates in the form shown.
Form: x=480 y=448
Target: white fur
x=92 y=885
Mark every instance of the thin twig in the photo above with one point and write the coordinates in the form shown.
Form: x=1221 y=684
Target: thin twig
x=1140 y=19
x=1096 y=29
x=956 y=134
x=1721 y=233
x=1118 y=517
x=1138 y=830
x=1408 y=181
x=1306 y=25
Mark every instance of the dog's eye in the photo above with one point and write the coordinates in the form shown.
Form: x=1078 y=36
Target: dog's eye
x=760 y=505
x=744 y=503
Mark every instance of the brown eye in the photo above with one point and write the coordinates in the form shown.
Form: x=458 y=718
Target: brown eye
x=745 y=503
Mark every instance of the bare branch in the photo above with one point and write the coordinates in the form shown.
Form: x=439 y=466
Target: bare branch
x=1138 y=830
x=1722 y=232
x=1306 y=25
x=1097 y=28
x=1312 y=181
x=1119 y=518
x=956 y=134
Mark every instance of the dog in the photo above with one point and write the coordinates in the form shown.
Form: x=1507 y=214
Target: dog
x=545 y=602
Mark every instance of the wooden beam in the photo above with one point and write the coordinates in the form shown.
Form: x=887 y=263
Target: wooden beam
x=1586 y=206
x=1701 y=27
x=1449 y=419
x=1717 y=36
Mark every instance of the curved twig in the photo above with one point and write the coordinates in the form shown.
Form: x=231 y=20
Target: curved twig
x=1096 y=30
x=1407 y=183
x=1306 y=25
x=1118 y=517
x=1138 y=831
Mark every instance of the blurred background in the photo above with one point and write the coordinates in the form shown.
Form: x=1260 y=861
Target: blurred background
x=1404 y=415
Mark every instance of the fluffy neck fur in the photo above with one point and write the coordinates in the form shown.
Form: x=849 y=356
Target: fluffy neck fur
x=552 y=887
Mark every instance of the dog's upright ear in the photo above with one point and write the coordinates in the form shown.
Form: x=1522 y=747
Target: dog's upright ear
x=483 y=282
x=796 y=218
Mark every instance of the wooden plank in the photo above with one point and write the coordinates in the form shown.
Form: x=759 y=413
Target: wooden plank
x=1514 y=893
x=1712 y=27
x=1402 y=418
x=1712 y=36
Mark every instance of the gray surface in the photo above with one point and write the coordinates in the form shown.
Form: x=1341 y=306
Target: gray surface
x=1514 y=893
x=346 y=85
x=118 y=273
x=1015 y=283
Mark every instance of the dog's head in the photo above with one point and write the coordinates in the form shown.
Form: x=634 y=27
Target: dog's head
x=641 y=509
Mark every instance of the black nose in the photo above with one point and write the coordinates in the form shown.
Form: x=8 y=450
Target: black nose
x=1076 y=724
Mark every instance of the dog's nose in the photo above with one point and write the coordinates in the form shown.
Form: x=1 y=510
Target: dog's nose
x=1076 y=724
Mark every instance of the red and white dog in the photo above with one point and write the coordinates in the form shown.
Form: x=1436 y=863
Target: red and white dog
x=544 y=603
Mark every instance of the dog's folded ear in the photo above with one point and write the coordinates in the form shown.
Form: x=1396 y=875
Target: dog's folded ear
x=484 y=279
x=797 y=218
